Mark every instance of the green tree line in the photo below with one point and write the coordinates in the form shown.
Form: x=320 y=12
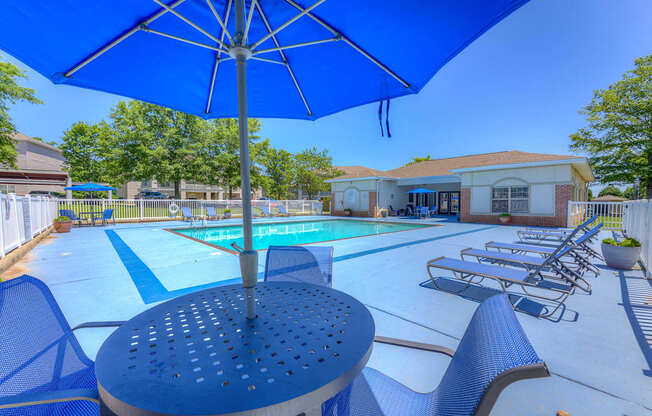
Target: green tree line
x=142 y=141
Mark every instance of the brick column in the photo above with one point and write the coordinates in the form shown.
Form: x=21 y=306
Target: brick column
x=465 y=204
x=332 y=203
x=372 y=204
x=563 y=194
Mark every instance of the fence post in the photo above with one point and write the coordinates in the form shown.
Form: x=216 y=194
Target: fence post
x=142 y=213
x=15 y=210
x=2 y=226
x=570 y=210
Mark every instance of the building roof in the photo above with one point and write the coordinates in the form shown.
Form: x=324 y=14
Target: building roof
x=19 y=137
x=609 y=198
x=447 y=166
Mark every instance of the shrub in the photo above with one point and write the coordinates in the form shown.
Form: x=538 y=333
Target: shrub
x=61 y=218
x=227 y=211
x=505 y=215
x=628 y=242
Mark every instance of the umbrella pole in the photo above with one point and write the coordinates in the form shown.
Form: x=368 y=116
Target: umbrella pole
x=248 y=257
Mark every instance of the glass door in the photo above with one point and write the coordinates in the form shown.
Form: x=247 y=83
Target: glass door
x=444 y=202
x=455 y=203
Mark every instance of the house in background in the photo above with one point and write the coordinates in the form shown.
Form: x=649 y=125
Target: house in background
x=533 y=187
x=189 y=190
x=40 y=168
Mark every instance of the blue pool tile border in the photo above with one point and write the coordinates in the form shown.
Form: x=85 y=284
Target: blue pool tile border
x=152 y=290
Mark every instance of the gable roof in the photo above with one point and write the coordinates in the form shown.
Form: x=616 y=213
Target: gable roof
x=447 y=166
x=19 y=137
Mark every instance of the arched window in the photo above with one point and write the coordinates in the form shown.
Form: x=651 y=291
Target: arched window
x=510 y=196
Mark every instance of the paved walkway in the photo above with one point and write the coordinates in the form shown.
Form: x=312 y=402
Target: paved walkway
x=599 y=349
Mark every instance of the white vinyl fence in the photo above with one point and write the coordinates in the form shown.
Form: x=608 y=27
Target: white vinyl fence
x=610 y=213
x=22 y=218
x=636 y=224
x=166 y=209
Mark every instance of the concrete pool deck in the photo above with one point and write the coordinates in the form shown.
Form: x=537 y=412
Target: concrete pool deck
x=599 y=350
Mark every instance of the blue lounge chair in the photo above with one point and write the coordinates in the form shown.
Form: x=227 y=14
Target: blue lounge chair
x=43 y=370
x=187 y=215
x=310 y=264
x=538 y=234
x=423 y=212
x=71 y=214
x=266 y=211
x=433 y=212
x=107 y=216
x=493 y=353
x=210 y=213
x=283 y=211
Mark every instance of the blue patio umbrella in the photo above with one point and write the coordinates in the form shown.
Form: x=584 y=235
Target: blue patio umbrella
x=297 y=60
x=421 y=191
x=90 y=187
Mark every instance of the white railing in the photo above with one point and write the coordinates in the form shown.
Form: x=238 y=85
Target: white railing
x=610 y=213
x=22 y=218
x=636 y=224
x=160 y=209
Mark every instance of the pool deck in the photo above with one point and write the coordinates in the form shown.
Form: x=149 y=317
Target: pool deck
x=599 y=349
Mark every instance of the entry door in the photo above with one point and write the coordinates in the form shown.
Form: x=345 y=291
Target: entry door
x=444 y=199
x=454 y=203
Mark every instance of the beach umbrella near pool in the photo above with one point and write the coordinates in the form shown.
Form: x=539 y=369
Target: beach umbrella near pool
x=421 y=191
x=90 y=187
x=237 y=58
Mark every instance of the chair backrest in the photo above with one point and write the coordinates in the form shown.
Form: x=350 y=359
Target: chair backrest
x=39 y=351
x=424 y=211
x=494 y=345
x=68 y=213
x=186 y=212
x=588 y=235
x=265 y=210
x=107 y=214
x=211 y=211
x=282 y=209
x=310 y=264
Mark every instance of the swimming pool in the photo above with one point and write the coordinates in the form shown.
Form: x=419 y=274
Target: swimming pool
x=292 y=233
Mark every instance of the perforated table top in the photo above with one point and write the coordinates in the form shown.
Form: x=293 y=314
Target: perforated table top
x=198 y=354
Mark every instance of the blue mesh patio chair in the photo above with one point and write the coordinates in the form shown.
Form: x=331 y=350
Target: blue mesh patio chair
x=43 y=369
x=266 y=212
x=393 y=212
x=538 y=234
x=187 y=215
x=107 y=215
x=71 y=214
x=493 y=353
x=311 y=264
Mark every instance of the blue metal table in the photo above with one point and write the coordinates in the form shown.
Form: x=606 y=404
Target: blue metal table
x=199 y=355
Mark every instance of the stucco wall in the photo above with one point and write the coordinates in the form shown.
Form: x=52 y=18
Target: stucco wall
x=353 y=195
x=34 y=157
x=540 y=180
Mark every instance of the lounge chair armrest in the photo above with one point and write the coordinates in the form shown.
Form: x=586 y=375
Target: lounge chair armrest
x=100 y=324
x=237 y=247
x=415 y=345
x=44 y=397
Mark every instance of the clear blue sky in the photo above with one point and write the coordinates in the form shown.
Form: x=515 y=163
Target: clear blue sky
x=519 y=86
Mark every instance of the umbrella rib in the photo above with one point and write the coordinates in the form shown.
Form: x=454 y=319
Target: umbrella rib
x=350 y=42
x=251 y=13
x=99 y=52
x=220 y=21
x=192 y=42
x=297 y=45
x=218 y=58
x=286 y=24
x=191 y=23
x=271 y=61
x=289 y=68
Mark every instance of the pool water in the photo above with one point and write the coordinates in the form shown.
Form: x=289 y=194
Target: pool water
x=293 y=233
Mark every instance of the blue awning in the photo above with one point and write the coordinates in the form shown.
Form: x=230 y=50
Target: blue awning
x=421 y=191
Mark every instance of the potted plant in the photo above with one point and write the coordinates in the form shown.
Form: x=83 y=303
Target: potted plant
x=348 y=212
x=621 y=255
x=62 y=224
x=383 y=212
x=505 y=218
x=227 y=213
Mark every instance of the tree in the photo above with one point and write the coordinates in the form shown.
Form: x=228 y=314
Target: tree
x=155 y=142
x=279 y=167
x=610 y=190
x=312 y=168
x=11 y=93
x=87 y=149
x=590 y=194
x=618 y=136
x=630 y=193
x=418 y=160
x=51 y=143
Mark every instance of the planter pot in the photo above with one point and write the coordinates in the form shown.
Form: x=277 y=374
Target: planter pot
x=623 y=258
x=62 y=226
x=347 y=213
x=383 y=214
x=505 y=220
x=227 y=215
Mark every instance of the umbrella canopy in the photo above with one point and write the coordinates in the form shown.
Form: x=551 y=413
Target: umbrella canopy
x=89 y=187
x=303 y=60
x=421 y=191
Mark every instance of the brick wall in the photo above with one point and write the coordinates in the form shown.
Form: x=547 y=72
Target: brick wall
x=563 y=194
x=372 y=204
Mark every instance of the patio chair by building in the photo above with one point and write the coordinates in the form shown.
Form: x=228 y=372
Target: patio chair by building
x=534 y=234
x=187 y=215
x=43 y=370
x=266 y=212
x=392 y=212
x=493 y=353
x=71 y=214
x=312 y=264
x=283 y=211
x=107 y=216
